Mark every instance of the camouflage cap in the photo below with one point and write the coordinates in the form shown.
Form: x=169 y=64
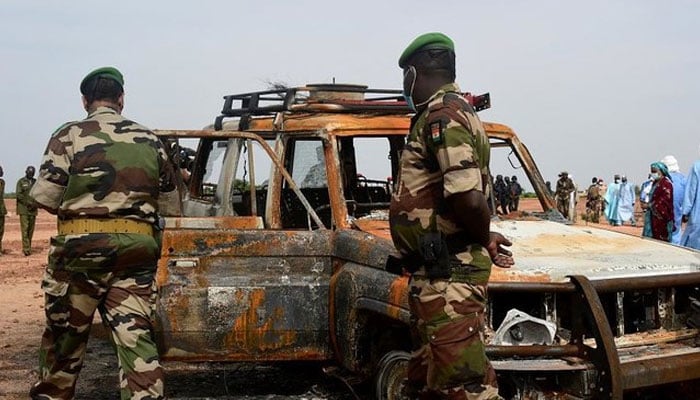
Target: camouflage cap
x=105 y=72
x=426 y=41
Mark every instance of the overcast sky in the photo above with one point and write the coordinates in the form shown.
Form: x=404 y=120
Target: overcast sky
x=594 y=88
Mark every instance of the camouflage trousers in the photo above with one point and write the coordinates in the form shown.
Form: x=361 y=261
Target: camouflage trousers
x=26 y=224
x=126 y=305
x=563 y=206
x=450 y=362
x=593 y=211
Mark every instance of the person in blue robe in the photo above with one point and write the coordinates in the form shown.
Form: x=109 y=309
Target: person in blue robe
x=612 y=201
x=691 y=208
x=678 y=180
x=625 y=207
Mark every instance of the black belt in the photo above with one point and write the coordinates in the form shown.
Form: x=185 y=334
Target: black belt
x=413 y=260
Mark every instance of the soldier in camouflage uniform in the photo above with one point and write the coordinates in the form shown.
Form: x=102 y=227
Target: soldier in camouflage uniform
x=102 y=177
x=563 y=193
x=440 y=221
x=593 y=201
x=26 y=209
x=3 y=210
x=515 y=191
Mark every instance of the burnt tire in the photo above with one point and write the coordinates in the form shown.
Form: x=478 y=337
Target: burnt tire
x=390 y=376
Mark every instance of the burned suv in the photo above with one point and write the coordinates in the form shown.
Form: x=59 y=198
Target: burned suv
x=278 y=246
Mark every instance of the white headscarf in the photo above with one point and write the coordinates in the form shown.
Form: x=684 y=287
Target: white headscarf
x=671 y=163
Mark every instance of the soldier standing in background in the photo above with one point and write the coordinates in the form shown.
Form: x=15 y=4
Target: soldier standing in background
x=515 y=191
x=102 y=177
x=593 y=200
x=506 y=180
x=26 y=209
x=3 y=210
x=563 y=193
x=440 y=223
x=501 y=190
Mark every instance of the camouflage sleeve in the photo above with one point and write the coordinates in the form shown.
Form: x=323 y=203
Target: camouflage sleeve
x=52 y=178
x=451 y=136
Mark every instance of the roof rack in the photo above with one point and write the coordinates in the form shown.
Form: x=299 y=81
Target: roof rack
x=321 y=98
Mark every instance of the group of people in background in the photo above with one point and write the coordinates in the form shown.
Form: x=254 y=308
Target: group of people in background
x=668 y=199
x=673 y=201
x=507 y=191
x=26 y=209
x=619 y=201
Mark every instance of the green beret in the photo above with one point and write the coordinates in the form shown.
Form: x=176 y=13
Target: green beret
x=426 y=41
x=105 y=72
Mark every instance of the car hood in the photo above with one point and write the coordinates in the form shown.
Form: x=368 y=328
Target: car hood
x=546 y=251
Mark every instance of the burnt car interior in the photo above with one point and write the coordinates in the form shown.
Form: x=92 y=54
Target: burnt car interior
x=362 y=194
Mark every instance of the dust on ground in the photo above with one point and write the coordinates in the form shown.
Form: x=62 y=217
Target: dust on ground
x=21 y=326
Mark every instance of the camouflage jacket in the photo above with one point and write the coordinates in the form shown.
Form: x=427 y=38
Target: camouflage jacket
x=593 y=193
x=447 y=152
x=25 y=203
x=564 y=188
x=104 y=166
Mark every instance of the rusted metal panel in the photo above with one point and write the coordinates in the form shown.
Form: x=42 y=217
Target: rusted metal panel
x=337 y=124
x=238 y=222
x=537 y=364
x=263 y=243
x=655 y=337
x=549 y=251
x=604 y=355
x=664 y=367
x=253 y=295
x=374 y=227
x=567 y=350
x=336 y=197
x=356 y=291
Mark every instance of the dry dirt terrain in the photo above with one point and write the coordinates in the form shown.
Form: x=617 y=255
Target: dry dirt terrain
x=21 y=324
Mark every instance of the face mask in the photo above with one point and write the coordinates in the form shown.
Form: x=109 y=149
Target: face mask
x=617 y=181
x=409 y=82
x=655 y=176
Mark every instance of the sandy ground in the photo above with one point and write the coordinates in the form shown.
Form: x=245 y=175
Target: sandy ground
x=21 y=315
x=21 y=318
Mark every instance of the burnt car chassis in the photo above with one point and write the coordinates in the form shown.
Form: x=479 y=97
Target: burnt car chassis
x=616 y=333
